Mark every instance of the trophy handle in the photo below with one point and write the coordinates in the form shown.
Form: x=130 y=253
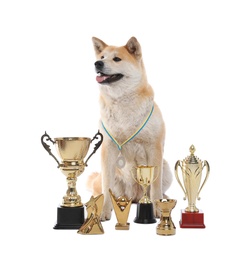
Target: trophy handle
x=178 y=163
x=205 y=180
x=97 y=145
x=156 y=175
x=47 y=147
x=133 y=174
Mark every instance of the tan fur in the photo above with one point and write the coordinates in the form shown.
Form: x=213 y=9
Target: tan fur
x=124 y=105
x=94 y=183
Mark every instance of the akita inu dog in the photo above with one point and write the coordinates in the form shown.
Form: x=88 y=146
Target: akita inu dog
x=131 y=123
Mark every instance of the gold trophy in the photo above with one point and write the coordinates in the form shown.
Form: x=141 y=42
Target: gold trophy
x=93 y=225
x=145 y=176
x=192 y=168
x=72 y=150
x=166 y=226
x=121 y=207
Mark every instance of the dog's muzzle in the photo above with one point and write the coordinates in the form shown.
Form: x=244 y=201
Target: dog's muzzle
x=103 y=78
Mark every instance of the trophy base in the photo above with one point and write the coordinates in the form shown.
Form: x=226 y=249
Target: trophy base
x=165 y=231
x=145 y=214
x=119 y=226
x=69 y=218
x=192 y=219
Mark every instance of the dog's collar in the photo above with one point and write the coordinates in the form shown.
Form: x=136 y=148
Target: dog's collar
x=133 y=135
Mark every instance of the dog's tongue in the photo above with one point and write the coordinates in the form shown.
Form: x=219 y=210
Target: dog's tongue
x=100 y=79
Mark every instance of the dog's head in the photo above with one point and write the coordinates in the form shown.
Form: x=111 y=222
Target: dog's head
x=119 y=67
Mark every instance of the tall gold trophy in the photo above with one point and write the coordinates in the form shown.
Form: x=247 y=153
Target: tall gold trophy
x=72 y=150
x=145 y=176
x=192 y=168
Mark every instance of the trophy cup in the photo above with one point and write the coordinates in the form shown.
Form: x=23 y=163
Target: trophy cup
x=121 y=207
x=144 y=177
x=192 y=168
x=72 y=150
x=93 y=225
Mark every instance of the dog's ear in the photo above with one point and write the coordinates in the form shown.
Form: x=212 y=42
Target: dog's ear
x=99 y=45
x=134 y=47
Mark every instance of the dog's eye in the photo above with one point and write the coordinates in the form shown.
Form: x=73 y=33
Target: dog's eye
x=102 y=57
x=116 y=59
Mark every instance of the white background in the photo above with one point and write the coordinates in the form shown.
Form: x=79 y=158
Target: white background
x=197 y=58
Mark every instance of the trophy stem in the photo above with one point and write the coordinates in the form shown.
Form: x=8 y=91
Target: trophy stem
x=145 y=199
x=166 y=225
x=71 y=199
x=144 y=191
x=191 y=208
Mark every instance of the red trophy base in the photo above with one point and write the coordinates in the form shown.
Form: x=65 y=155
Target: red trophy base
x=192 y=219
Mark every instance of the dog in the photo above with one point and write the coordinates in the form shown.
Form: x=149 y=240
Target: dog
x=131 y=123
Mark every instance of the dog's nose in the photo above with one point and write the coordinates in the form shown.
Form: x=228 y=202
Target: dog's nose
x=99 y=65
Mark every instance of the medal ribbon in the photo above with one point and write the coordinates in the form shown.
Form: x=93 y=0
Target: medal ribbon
x=133 y=135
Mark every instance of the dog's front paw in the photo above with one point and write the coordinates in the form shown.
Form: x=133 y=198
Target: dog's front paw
x=106 y=214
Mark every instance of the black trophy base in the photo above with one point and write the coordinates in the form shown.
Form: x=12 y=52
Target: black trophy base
x=145 y=214
x=69 y=218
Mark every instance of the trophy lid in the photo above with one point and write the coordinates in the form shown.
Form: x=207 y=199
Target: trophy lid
x=192 y=159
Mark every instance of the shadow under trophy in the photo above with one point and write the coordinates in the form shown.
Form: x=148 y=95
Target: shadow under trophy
x=72 y=150
x=145 y=176
x=192 y=168
x=166 y=226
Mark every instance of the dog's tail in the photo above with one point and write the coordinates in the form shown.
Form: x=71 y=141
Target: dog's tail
x=94 y=183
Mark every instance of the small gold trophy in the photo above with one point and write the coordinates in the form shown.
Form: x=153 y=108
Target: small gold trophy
x=145 y=176
x=72 y=150
x=93 y=225
x=192 y=168
x=166 y=226
x=121 y=207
